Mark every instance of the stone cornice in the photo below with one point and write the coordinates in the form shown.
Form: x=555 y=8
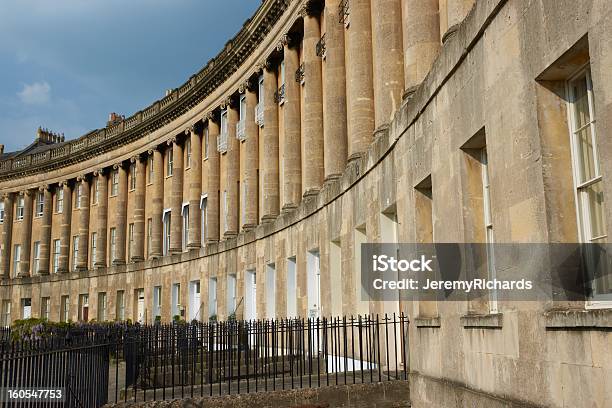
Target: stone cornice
x=160 y=113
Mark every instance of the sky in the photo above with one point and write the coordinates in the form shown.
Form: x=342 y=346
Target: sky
x=66 y=64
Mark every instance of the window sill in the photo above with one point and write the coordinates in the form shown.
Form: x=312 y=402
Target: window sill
x=579 y=319
x=424 y=322
x=486 y=321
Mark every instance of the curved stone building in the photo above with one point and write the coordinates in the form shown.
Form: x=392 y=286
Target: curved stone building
x=323 y=125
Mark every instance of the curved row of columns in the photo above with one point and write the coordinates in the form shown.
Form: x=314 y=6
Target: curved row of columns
x=379 y=50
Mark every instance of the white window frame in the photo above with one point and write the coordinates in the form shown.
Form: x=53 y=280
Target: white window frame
x=65 y=308
x=75 y=251
x=94 y=248
x=16 y=259
x=170 y=162
x=114 y=183
x=130 y=240
x=583 y=215
x=78 y=194
x=167 y=229
x=212 y=297
x=187 y=153
x=96 y=192
x=133 y=176
x=113 y=244
x=204 y=218
x=102 y=303
x=150 y=170
x=6 y=313
x=36 y=257
x=45 y=306
x=56 y=254
x=1 y=212
x=20 y=207
x=40 y=203
x=185 y=216
x=149 y=235
x=59 y=200
x=488 y=223
x=206 y=144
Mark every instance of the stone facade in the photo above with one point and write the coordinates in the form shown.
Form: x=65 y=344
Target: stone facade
x=364 y=129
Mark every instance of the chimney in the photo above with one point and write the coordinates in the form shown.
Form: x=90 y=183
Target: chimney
x=44 y=135
x=1 y=149
x=113 y=119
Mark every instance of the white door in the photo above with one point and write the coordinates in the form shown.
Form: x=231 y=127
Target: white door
x=141 y=306
x=314 y=284
x=195 y=300
x=27 y=308
x=250 y=296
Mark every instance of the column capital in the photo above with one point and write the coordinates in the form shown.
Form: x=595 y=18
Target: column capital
x=119 y=165
x=26 y=192
x=190 y=129
x=64 y=183
x=44 y=187
x=265 y=64
x=99 y=172
x=246 y=85
x=311 y=8
x=135 y=158
x=171 y=141
x=82 y=178
x=209 y=116
x=226 y=103
x=284 y=40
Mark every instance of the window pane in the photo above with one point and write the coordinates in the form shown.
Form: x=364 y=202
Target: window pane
x=595 y=202
x=581 y=102
x=586 y=155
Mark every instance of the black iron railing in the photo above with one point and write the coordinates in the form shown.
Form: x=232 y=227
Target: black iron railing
x=143 y=363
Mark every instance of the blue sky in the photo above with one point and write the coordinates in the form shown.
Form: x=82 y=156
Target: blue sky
x=66 y=64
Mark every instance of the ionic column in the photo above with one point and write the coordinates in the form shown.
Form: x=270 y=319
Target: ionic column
x=157 y=204
x=214 y=171
x=81 y=262
x=292 y=164
x=26 y=235
x=121 y=215
x=457 y=10
x=102 y=223
x=232 y=172
x=334 y=115
x=64 y=255
x=7 y=235
x=176 y=220
x=45 y=230
x=313 y=172
x=421 y=28
x=137 y=252
x=388 y=54
x=359 y=80
x=269 y=167
x=195 y=190
x=251 y=160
